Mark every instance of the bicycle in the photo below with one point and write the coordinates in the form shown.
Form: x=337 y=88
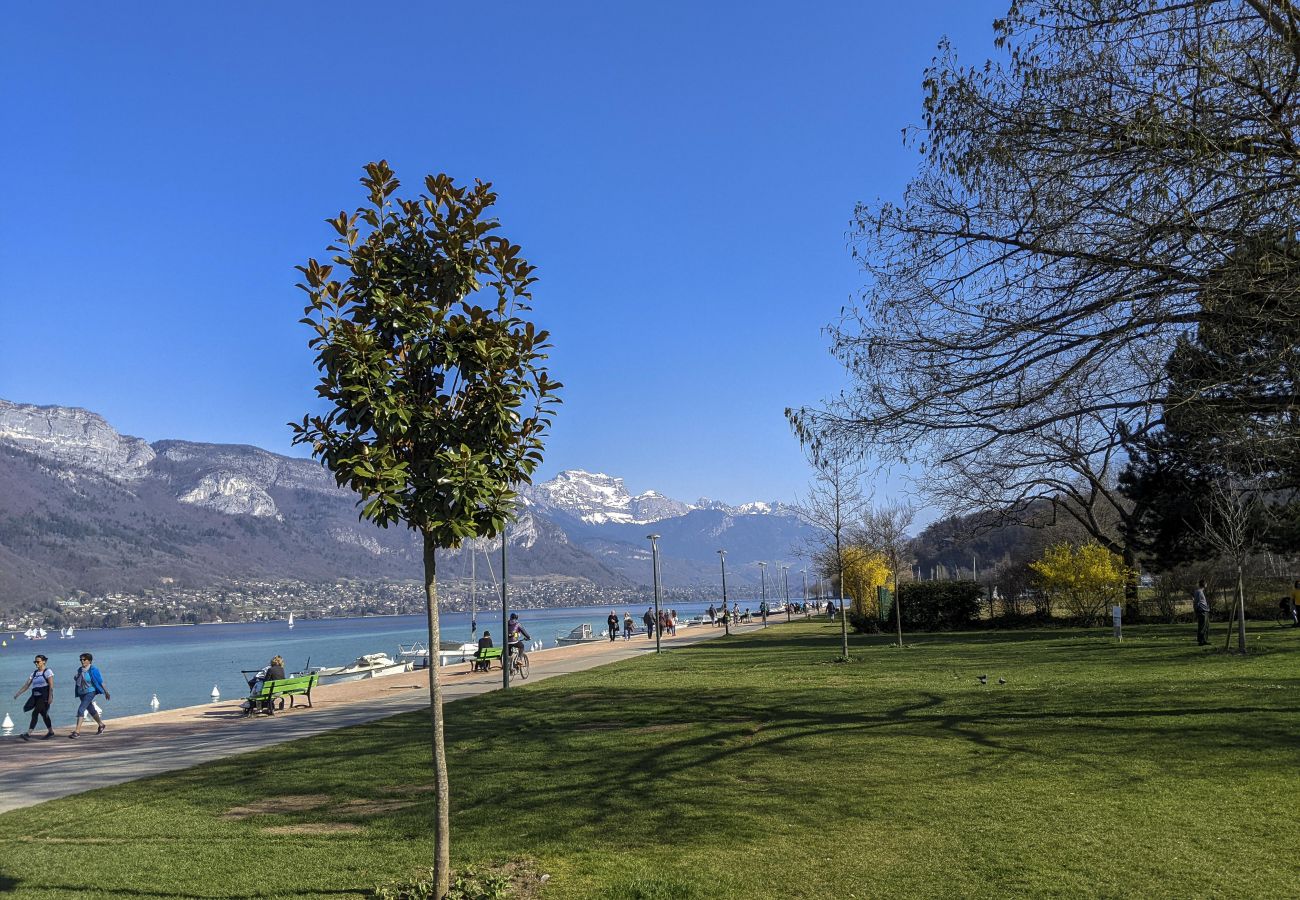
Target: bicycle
x=1285 y=612
x=518 y=661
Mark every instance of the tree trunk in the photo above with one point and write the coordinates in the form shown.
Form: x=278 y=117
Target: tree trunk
x=1132 y=612
x=844 y=616
x=1241 y=612
x=898 y=610
x=442 y=791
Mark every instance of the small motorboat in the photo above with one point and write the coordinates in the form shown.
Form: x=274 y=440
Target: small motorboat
x=582 y=634
x=371 y=665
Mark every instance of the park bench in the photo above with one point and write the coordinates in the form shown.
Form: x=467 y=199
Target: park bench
x=483 y=658
x=270 y=691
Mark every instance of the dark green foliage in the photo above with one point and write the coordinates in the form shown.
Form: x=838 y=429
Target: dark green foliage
x=1229 y=413
x=940 y=605
x=438 y=396
x=865 y=621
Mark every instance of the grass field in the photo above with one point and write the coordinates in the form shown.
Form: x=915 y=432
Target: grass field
x=757 y=767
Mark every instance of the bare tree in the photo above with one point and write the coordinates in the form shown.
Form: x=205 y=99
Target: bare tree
x=833 y=504
x=1229 y=523
x=1076 y=198
x=884 y=529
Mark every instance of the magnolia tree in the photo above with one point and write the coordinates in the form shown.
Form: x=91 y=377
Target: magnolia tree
x=437 y=396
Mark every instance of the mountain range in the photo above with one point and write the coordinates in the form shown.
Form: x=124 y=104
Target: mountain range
x=85 y=508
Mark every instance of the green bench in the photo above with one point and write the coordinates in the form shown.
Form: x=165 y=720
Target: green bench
x=270 y=691
x=484 y=657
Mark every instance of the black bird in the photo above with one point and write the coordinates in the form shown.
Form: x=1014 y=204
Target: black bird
x=1002 y=681
x=984 y=679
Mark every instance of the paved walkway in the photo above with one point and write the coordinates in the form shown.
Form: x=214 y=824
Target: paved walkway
x=140 y=746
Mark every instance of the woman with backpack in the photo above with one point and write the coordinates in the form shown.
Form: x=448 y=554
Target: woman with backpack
x=38 y=704
x=89 y=685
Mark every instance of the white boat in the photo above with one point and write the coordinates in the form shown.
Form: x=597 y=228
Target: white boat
x=65 y=633
x=580 y=635
x=371 y=665
x=35 y=634
x=290 y=620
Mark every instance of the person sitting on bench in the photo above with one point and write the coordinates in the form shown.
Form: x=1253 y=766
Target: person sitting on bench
x=482 y=665
x=274 y=671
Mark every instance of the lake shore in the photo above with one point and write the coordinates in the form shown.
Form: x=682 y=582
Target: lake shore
x=138 y=746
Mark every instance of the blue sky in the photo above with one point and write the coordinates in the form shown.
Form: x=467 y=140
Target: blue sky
x=683 y=175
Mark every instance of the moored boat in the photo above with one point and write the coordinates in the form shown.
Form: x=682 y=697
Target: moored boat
x=581 y=634
x=371 y=665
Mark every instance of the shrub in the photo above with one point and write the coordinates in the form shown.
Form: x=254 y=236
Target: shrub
x=940 y=605
x=864 y=622
x=1085 y=580
x=468 y=884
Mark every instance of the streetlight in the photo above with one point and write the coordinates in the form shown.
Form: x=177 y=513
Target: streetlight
x=785 y=582
x=654 y=561
x=805 y=592
x=726 y=613
x=762 y=574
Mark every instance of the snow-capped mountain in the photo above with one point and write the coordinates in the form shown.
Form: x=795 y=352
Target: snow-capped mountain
x=599 y=499
x=84 y=507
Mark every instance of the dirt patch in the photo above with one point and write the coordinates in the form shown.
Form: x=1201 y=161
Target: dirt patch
x=373 y=807
x=314 y=828
x=275 y=805
x=657 y=729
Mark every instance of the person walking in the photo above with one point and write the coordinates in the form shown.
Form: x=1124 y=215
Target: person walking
x=41 y=683
x=628 y=625
x=89 y=684
x=650 y=623
x=612 y=621
x=1201 y=606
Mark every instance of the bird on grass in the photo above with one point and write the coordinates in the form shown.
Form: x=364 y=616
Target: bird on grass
x=984 y=679
x=1002 y=681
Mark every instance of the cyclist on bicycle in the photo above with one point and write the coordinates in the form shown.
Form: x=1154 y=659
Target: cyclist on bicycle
x=516 y=634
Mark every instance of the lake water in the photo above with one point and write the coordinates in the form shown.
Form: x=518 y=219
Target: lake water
x=181 y=664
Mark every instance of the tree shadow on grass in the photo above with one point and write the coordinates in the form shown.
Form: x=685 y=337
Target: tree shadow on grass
x=8 y=884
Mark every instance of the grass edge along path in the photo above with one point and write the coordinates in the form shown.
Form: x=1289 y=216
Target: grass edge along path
x=754 y=767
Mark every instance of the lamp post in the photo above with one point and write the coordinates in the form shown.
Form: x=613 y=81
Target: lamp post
x=762 y=575
x=654 y=561
x=726 y=613
x=805 y=592
x=505 y=635
x=785 y=584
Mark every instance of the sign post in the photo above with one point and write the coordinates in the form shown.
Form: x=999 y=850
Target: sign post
x=1116 y=614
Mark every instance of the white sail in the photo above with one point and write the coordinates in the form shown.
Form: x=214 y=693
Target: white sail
x=290 y=620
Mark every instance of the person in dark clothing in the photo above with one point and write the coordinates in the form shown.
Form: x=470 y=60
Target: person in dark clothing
x=41 y=682
x=1201 y=606
x=482 y=665
x=650 y=623
x=612 y=622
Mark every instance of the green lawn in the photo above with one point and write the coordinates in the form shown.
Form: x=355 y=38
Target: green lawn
x=758 y=767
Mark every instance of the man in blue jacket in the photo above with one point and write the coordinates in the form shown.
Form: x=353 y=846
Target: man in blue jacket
x=89 y=684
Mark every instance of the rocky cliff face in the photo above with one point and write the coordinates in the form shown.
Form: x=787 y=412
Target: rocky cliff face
x=74 y=437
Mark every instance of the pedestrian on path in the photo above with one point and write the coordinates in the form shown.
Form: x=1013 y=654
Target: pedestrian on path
x=628 y=625
x=89 y=684
x=1201 y=606
x=41 y=683
x=613 y=626
x=650 y=623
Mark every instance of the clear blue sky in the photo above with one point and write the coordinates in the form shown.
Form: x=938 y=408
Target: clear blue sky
x=683 y=174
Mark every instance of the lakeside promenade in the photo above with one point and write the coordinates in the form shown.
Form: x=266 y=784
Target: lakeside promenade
x=144 y=745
